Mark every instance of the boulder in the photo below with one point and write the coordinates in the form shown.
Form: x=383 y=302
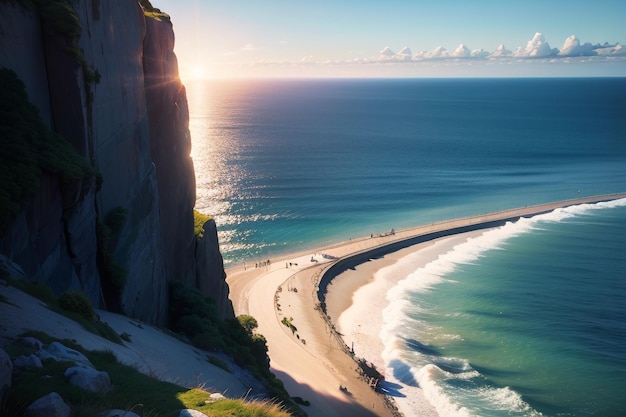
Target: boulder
x=31 y=342
x=27 y=362
x=191 y=413
x=216 y=396
x=6 y=373
x=60 y=353
x=51 y=405
x=118 y=413
x=89 y=379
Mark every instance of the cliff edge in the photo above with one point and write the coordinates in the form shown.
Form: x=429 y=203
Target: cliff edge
x=104 y=76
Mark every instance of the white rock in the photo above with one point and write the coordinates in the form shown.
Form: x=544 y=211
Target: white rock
x=191 y=413
x=59 y=353
x=32 y=343
x=216 y=396
x=89 y=379
x=118 y=413
x=27 y=362
x=51 y=405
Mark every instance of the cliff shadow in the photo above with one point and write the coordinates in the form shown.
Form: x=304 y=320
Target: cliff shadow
x=322 y=404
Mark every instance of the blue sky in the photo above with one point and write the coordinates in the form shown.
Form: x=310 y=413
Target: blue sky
x=345 y=38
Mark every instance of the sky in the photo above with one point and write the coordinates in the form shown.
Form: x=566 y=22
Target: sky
x=345 y=38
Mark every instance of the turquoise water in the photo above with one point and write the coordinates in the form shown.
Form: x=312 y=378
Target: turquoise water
x=528 y=319
x=532 y=328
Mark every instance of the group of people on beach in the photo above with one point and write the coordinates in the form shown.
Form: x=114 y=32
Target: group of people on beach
x=392 y=232
x=258 y=264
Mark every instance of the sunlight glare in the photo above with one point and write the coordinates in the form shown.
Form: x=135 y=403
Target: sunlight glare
x=198 y=72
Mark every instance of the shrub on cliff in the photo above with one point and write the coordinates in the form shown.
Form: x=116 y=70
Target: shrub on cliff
x=113 y=275
x=77 y=302
x=29 y=149
x=199 y=219
x=197 y=318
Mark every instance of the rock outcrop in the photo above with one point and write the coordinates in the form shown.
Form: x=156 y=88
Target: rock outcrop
x=170 y=146
x=6 y=373
x=89 y=379
x=51 y=405
x=112 y=90
x=209 y=269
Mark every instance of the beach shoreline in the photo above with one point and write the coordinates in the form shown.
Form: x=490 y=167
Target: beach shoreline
x=313 y=361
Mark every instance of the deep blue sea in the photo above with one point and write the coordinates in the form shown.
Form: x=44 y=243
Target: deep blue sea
x=534 y=325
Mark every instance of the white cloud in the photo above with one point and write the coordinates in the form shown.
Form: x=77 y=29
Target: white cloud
x=438 y=52
x=462 y=51
x=536 y=54
x=249 y=47
x=479 y=53
x=537 y=47
x=387 y=53
x=615 y=50
x=500 y=51
x=406 y=51
x=572 y=47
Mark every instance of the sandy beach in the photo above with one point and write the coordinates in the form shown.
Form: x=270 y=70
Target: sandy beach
x=311 y=358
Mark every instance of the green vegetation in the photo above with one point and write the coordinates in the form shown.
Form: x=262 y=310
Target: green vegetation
x=114 y=276
x=73 y=305
x=215 y=361
x=196 y=317
x=132 y=390
x=199 y=220
x=152 y=12
x=116 y=219
x=249 y=323
x=77 y=302
x=301 y=401
x=29 y=149
x=288 y=322
x=61 y=17
x=228 y=408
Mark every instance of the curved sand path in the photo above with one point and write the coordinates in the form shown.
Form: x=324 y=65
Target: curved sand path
x=312 y=361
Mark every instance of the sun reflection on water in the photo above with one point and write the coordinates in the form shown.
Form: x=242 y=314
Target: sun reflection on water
x=225 y=187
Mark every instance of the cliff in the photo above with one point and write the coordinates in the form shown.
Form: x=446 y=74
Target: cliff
x=108 y=82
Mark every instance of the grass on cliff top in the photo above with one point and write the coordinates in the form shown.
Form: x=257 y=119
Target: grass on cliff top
x=132 y=390
x=199 y=220
x=152 y=12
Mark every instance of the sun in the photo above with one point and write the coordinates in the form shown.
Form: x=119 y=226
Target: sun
x=193 y=72
x=198 y=72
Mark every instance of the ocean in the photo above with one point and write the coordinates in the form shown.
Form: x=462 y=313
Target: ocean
x=533 y=324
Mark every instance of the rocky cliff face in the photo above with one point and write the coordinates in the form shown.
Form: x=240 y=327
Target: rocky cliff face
x=131 y=122
x=170 y=147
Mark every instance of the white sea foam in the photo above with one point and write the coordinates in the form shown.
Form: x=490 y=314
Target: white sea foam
x=397 y=319
x=412 y=378
x=427 y=377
